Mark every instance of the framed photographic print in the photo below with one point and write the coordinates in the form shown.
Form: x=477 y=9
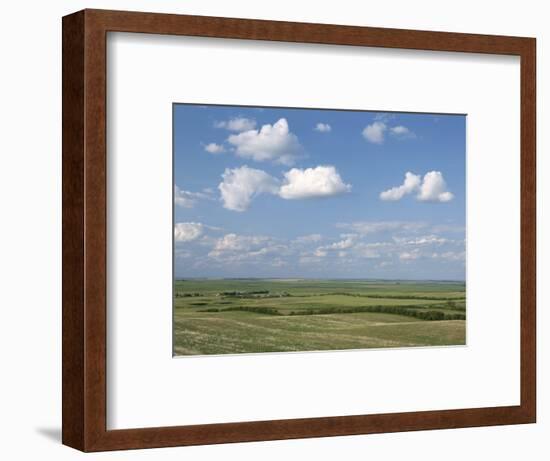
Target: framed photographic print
x=280 y=230
x=306 y=258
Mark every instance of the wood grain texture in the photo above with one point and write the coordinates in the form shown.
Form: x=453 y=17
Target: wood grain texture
x=73 y=231
x=528 y=230
x=85 y=244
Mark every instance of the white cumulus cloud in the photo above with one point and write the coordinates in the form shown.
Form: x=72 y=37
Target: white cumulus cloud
x=375 y=132
x=431 y=188
x=270 y=143
x=402 y=132
x=434 y=188
x=187 y=231
x=237 y=124
x=323 y=127
x=321 y=181
x=214 y=148
x=241 y=185
x=410 y=184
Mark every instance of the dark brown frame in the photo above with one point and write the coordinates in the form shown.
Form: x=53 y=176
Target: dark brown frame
x=84 y=229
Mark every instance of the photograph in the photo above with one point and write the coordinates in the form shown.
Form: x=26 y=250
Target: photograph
x=264 y=231
x=315 y=229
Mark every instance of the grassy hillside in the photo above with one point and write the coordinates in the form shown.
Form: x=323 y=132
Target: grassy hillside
x=253 y=315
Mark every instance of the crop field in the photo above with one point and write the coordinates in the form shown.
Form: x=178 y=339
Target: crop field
x=230 y=316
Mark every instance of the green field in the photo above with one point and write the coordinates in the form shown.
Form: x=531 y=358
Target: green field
x=230 y=316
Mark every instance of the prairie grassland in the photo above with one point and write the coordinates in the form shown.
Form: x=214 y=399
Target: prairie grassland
x=256 y=315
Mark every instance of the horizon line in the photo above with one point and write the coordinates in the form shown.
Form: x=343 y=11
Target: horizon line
x=319 y=278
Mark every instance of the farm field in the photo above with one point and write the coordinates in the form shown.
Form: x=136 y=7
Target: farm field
x=230 y=316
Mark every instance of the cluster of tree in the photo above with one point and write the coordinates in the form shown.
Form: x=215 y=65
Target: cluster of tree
x=255 y=309
x=397 y=310
x=382 y=296
x=187 y=295
x=409 y=311
x=253 y=294
x=240 y=293
x=452 y=305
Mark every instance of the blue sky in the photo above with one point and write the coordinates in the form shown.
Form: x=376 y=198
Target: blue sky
x=277 y=192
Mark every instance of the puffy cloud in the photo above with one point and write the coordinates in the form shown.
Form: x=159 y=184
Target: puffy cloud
x=321 y=181
x=237 y=124
x=401 y=131
x=187 y=231
x=434 y=188
x=214 y=148
x=375 y=132
x=323 y=128
x=410 y=184
x=188 y=199
x=270 y=143
x=241 y=185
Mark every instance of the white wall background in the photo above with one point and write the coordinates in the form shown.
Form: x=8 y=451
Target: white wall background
x=30 y=229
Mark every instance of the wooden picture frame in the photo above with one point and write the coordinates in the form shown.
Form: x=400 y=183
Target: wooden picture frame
x=85 y=222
